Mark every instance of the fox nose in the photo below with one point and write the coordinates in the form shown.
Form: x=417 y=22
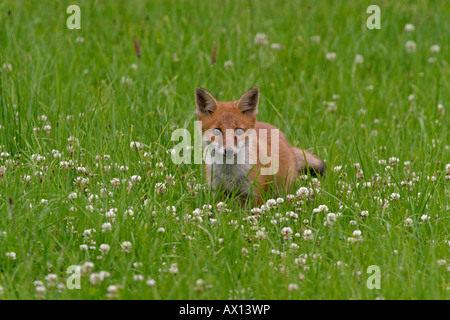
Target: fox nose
x=229 y=152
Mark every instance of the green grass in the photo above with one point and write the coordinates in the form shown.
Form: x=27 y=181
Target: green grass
x=55 y=75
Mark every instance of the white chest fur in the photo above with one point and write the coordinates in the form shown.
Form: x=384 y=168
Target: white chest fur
x=231 y=177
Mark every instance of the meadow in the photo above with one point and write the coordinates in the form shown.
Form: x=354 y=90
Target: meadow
x=86 y=176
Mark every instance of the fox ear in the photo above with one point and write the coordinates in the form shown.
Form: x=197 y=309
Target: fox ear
x=206 y=104
x=248 y=103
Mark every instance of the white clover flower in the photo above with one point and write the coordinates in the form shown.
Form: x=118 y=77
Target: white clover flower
x=161 y=230
x=292 y=214
x=435 y=48
x=112 y=291
x=276 y=46
x=228 y=64
x=364 y=214
x=271 y=203
x=138 y=277
x=70 y=139
x=425 y=217
x=173 y=268
x=222 y=205
x=126 y=80
x=357 y=233
x=113 y=288
x=408 y=222
x=302 y=193
x=151 y=282
x=37 y=157
x=51 y=279
x=330 y=219
x=41 y=290
x=315 y=39
x=38 y=283
x=332 y=106
x=293 y=287
x=115 y=182
x=330 y=56
x=359 y=59
x=322 y=208
x=56 y=153
x=73 y=195
x=410 y=46
x=409 y=27
x=337 y=168
x=395 y=196
x=106 y=227
x=393 y=161
x=261 y=39
x=307 y=235
x=84 y=247
x=286 y=231
x=95 y=278
x=111 y=213
x=104 y=248
x=87 y=267
x=260 y=235
x=126 y=246
x=199 y=283
x=48 y=128
x=134 y=144
x=11 y=255
x=7 y=66
x=129 y=212
x=442 y=262
x=171 y=209
x=356 y=237
x=160 y=187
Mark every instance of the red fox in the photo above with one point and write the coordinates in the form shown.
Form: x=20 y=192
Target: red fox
x=240 y=164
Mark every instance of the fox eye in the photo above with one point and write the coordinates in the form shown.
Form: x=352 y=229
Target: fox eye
x=238 y=131
x=217 y=132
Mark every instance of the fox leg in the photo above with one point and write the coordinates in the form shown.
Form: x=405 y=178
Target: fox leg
x=307 y=160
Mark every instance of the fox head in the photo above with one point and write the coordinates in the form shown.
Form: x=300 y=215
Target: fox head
x=225 y=123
